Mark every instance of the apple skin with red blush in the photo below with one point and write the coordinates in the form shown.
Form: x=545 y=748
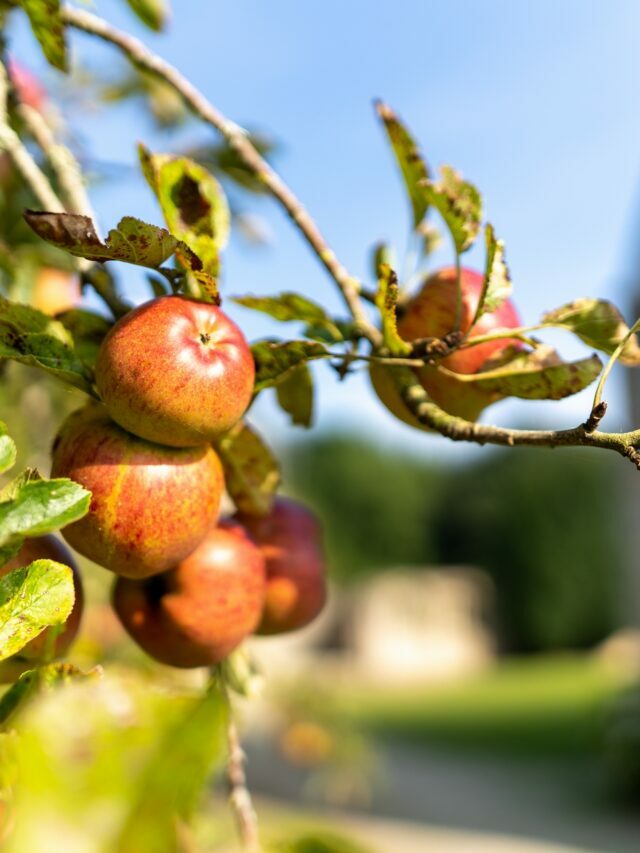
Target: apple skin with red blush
x=175 y=371
x=431 y=313
x=290 y=538
x=151 y=505
x=200 y=611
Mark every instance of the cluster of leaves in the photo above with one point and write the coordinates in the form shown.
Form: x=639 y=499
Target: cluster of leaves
x=42 y=594
x=538 y=373
x=128 y=758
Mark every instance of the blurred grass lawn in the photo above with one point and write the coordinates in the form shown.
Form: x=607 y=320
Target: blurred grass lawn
x=538 y=705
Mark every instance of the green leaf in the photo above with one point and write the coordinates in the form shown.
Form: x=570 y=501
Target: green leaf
x=48 y=27
x=132 y=241
x=32 y=599
x=87 y=329
x=412 y=165
x=12 y=489
x=288 y=307
x=175 y=777
x=7 y=449
x=295 y=396
x=496 y=286
x=382 y=253
x=251 y=470
x=538 y=375
x=459 y=204
x=34 y=338
x=193 y=204
x=37 y=507
x=276 y=359
x=34 y=681
x=599 y=324
x=386 y=302
x=153 y=13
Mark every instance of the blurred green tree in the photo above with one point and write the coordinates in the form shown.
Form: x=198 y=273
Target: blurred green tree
x=376 y=505
x=544 y=526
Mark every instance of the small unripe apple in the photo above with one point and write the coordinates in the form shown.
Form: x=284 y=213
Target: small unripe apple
x=176 y=371
x=431 y=313
x=55 y=641
x=151 y=505
x=197 y=613
x=290 y=538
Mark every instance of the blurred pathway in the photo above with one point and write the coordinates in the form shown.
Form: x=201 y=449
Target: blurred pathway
x=469 y=803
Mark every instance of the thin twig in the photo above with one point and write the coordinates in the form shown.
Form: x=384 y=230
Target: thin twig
x=63 y=162
x=239 y=141
x=239 y=794
x=40 y=185
x=458 y=429
x=597 y=413
x=23 y=161
x=412 y=392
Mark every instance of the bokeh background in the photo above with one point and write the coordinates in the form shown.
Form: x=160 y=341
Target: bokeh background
x=473 y=681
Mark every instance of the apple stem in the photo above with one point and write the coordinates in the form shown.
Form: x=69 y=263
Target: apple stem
x=239 y=794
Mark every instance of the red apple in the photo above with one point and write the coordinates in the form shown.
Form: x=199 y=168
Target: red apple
x=290 y=538
x=55 y=641
x=197 y=613
x=176 y=371
x=431 y=313
x=151 y=505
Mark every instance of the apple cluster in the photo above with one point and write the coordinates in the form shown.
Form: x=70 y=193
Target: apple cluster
x=173 y=376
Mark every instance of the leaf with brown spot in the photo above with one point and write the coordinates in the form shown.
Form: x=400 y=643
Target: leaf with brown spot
x=409 y=158
x=48 y=27
x=599 y=324
x=31 y=337
x=132 y=241
x=386 y=302
x=459 y=204
x=251 y=470
x=192 y=202
x=537 y=375
x=496 y=286
x=276 y=359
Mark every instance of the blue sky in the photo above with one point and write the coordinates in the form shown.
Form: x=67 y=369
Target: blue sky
x=537 y=103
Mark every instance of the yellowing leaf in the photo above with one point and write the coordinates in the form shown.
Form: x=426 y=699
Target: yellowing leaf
x=252 y=472
x=407 y=153
x=32 y=599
